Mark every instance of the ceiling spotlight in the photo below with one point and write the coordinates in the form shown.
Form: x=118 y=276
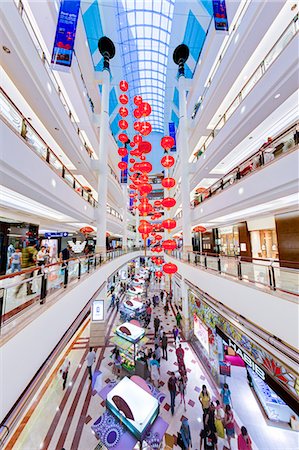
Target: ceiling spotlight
x=29 y=118
x=6 y=49
x=276 y=96
x=57 y=129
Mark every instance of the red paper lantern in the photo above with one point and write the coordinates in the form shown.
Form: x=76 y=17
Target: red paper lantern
x=86 y=230
x=199 y=229
x=158 y=215
x=145 y=188
x=167 y=142
x=137 y=100
x=158 y=237
x=137 y=139
x=170 y=268
x=157 y=203
x=123 y=138
x=122 y=152
x=123 y=112
x=145 y=147
x=143 y=158
x=145 y=227
x=158 y=249
x=122 y=165
x=169 y=244
x=145 y=208
x=168 y=202
x=132 y=144
x=132 y=160
x=145 y=128
x=137 y=126
x=123 y=124
x=145 y=167
x=137 y=113
x=168 y=183
x=123 y=85
x=167 y=161
x=145 y=109
x=169 y=224
x=159 y=274
x=123 y=98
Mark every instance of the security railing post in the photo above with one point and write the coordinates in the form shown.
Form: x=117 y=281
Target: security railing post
x=239 y=270
x=206 y=261
x=188 y=257
x=79 y=269
x=88 y=264
x=219 y=264
x=273 y=278
x=270 y=278
x=43 y=289
x=66 y=276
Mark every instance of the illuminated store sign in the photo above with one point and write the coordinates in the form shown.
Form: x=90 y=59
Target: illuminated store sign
x=97 y=310
x=247 y=360
x=202 y=333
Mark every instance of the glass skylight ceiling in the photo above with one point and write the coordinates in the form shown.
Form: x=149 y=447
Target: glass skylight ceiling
x=144 y=28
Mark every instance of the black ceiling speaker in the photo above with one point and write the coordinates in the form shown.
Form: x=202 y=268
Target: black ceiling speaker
x=107 y=49
x=180 y=56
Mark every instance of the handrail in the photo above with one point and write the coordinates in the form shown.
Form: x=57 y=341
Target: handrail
x=255 y=77
x=114 y=174
x=41 y=148
x=262 y=157
x=275 y=274
x=39 y=48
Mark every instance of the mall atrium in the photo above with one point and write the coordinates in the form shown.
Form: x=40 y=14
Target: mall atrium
x=149 y=230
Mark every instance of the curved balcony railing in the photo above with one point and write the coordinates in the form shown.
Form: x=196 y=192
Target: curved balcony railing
x=269 y=274
x=114 y=213
x=285 y=38
x=21 y=290
x=283 y=144
x=21 y=126
x=39 y=48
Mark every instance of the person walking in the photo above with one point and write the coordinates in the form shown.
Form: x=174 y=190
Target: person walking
x=209 y=439
x=244 y=441
x=175 y=333
x=162 y=296
x=209 y=422
x=112 y=302
x=155 y=371
x=229 y=424
x=226 y=395
x=178 y=319
x=161 y=331
x=164 y=343
x=166 y=308
x=158 y=353
x=172 y=384
x=156 y=324
x=64 y=256
x=205 y=400
x=90 y=359
x=219 y=417
x=28 y=260
x=65 y=371
x=185 y=435
x=182 y=390
x=117 y=303
x=15 y=262
x=117 y=363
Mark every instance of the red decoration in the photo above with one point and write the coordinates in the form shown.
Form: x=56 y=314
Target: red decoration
x=137 y=113
x=122 y=152
x=168 y=202
x=143 y=158
x=157 y=203
x=132 y=160
x=123 y=112
x=158 y=237
x=132 y=144
x=169 y=244
x=123 y=98
x=137 y=100
x=159 y=274
x=145 y=227
x=170 y=268
x=145 y=188
x=86 y=230
x=169 y=224
x=123 y=138
x=145 y=147
x=158 y=249
x=167 y=161
x=122 y=165
x=145 y=208
x=137 y=138
x=167 y=142
x=123 y=85
x=137 y=126
x=159 y=261
x=123 y=124
x=144 y=167
x=168 y=183
x=145 y=129
x=145 y=109
x=199 y=229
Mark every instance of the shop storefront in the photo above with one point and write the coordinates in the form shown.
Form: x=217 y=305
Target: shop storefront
x=231 y=356
x=229 y=240
x=263 y=238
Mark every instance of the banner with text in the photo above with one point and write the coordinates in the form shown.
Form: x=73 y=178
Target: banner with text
x=220 y=16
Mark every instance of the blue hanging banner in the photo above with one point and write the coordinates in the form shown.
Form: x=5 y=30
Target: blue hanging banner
x=124 y=173
x=65 y=34
x=171 y=130
x=220 y=16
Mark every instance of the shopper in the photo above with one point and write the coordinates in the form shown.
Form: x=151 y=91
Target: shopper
x=244 y=441
x=166 y=308
x=156 y=324
x=219 y=417
x=28 y=260
x=226 y=395
x=178 y=319
x=172 y=384
x=41 y=255
x=65 y=371
x=210 y=419
x=229 y=424
x=175 y=333
x=117 y=303
x=16 y=261
x=10 y=252
x=112 y=302
x=162 y=296
x=205 y=400
x=209 y=439
x=164 y=343
x=90 y=359
x=64 y=256
x=184 y=436
x=180 y=353
x=161 y=331
x=155 y=371
x=117 y=363
x=158 y=353
x=182 y=390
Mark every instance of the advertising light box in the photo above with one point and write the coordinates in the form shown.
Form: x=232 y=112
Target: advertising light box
x=97 y=310
x=202 y=333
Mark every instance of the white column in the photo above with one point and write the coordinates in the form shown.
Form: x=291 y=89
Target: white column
x=101 y=214
x=125 y=216
x=185 y=310
x=183 y=150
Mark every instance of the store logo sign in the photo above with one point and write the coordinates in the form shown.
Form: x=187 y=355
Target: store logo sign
x=247 y=360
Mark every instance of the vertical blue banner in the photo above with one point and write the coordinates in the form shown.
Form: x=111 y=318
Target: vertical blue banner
x=220 y=16
x=124 y=173
x=171 y=130
x=65 y=34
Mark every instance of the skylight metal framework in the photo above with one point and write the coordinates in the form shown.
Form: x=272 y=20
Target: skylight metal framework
x=144 y=28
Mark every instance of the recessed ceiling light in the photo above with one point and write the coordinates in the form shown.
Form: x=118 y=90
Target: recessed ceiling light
x=250 y=137
x=241 y=190
x=53 y=182
x=6 y=49
x=276 y=96
x=57 y=129
x=243 y=109
x=29 y=118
